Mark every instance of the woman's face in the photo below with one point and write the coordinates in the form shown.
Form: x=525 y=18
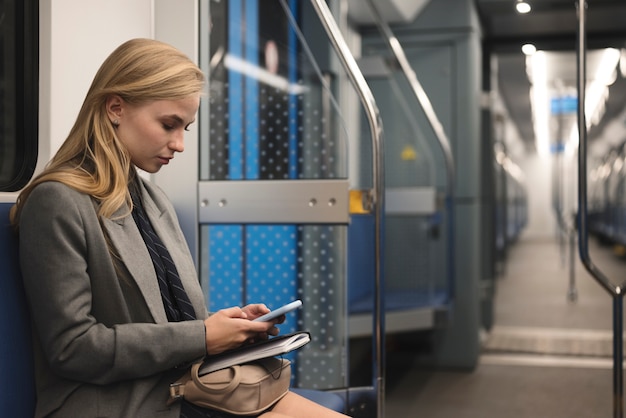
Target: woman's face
x=152 y=132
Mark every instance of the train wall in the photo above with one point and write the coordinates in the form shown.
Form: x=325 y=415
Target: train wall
x=75 y=37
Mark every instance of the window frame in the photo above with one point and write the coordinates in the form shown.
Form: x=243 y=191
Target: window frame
x=26 y=101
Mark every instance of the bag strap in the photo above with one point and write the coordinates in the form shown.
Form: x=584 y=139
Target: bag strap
x=217 y=389
x=177 y=389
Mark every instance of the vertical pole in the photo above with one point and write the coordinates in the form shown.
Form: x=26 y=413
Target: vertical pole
x=572 y=292
x=618 y=355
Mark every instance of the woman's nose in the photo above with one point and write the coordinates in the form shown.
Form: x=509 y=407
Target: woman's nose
x=178 y=142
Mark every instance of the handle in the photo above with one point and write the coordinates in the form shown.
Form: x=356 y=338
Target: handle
x=217 y=388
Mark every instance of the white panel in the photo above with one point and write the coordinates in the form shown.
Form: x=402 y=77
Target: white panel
x=80 y=35
x=6 y=197
x=410 y=201
x=176 y=22
x=392 y=11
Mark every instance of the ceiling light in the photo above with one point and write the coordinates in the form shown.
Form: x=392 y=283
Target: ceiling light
x=597 y=93
x=529 y=49
x=522 y=7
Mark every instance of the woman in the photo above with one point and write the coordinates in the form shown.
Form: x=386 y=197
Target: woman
x=116 y=304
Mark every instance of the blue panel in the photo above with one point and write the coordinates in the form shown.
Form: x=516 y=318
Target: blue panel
x=270 y=252
x=361 y=262
x=290 y=232
x=224 y=242
x=17 y=386
x=235 y=92
x=267 y=253
x=271 y=268
x=225 y=271
x=252 y=90
x=293 y=99
x=557 y=148
x=563 y=105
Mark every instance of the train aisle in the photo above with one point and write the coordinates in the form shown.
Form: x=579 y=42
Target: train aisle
x=546 y=356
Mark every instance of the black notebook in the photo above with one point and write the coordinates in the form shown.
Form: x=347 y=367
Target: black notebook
x=271 y=347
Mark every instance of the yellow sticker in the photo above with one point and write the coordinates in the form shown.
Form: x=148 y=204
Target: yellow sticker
x=356 y=201
x=408 y=153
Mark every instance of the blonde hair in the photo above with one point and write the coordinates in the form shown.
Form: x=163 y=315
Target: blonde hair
x=92 y=160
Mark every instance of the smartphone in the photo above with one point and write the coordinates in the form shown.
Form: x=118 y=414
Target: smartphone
x=280 y=311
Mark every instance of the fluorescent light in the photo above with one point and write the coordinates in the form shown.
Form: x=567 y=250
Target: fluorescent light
x=607 y=68
x=522 y=7
x=540 y=102
x=597 y=90
x=596 y=94
x=571 y=146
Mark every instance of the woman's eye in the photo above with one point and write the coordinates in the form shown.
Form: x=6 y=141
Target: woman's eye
x=167 y=127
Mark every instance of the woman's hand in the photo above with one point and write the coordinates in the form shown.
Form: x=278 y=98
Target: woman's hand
x=258 y=309
x=230 y=328
x=255 y=310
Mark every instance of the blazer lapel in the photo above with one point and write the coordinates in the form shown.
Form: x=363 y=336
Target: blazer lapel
x=127 y=240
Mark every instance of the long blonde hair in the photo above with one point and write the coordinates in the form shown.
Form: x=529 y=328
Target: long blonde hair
x=92 y=160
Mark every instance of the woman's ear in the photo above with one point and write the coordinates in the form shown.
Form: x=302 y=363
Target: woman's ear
x=114 y=107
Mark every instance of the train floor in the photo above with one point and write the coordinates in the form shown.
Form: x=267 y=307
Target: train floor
x=545 y=356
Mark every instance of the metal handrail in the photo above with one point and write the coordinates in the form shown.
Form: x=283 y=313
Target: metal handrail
x=377 y=193
x=583 y=237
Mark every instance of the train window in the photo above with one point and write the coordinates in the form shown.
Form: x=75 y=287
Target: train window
x=19 y=61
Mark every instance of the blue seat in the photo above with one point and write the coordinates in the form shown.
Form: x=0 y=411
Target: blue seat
x=17 y=386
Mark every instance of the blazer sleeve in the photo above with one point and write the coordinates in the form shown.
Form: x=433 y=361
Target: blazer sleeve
x=59 y=245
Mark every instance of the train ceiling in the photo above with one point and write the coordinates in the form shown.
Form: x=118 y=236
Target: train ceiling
x=552 y=25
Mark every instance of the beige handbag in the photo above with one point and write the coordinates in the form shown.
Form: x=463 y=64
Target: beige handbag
x=245 y=389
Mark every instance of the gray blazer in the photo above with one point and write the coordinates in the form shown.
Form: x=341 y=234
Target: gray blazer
x=103 y=345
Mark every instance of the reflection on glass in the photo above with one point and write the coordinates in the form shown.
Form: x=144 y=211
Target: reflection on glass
x=271 y=112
